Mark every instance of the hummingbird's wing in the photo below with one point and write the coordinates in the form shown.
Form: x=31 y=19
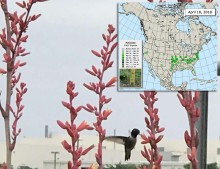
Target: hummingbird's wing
x=117 y=139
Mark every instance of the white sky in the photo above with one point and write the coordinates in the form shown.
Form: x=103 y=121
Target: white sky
x=60 y=43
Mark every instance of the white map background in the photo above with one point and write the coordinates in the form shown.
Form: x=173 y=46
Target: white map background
x=129 y=27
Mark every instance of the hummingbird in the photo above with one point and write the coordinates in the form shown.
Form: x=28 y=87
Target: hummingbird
x=128 y=142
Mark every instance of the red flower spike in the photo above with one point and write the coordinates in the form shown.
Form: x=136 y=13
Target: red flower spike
x=99 y=86
x=193 y=115
x=72 y=130
x=152 y=123
x=12 y=44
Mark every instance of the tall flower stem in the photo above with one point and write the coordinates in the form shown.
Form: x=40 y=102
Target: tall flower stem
x=152 y=123
x=11 y=39
x=99 y=87
x=192 y=140
x=73 y=130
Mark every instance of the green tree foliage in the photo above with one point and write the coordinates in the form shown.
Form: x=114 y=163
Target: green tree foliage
x=124 y=166
x=212 y=166
x=187 y=166
x=209 y=166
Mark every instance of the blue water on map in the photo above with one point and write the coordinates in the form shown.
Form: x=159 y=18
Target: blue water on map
x=183 y=26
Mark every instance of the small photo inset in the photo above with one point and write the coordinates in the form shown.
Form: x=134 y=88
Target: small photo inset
x=130 y=78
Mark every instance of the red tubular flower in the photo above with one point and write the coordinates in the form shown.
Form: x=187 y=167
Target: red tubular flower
x=152 y=123
x=189 y=102
x=84 y=126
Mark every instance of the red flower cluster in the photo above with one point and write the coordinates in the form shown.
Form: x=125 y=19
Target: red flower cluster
x=18 y=113
x=193 y=112
x=98 y=87
x=11 y=41
x=73 y=130
x=152 y=123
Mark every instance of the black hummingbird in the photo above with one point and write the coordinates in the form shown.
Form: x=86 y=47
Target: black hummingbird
x=128 y=142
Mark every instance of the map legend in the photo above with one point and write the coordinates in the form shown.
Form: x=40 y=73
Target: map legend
x=130 y=63
x=131 y=54
x=123 y=57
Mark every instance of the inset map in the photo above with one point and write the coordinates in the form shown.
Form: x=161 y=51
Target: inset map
x=173 y=44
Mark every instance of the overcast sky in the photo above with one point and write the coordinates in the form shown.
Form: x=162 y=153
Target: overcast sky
x=60 y=43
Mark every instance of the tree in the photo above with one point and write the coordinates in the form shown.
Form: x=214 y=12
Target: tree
x=212 y=166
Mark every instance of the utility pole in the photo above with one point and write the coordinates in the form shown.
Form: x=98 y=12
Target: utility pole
x=114 y=135
x=55 y=157
x=202 y=127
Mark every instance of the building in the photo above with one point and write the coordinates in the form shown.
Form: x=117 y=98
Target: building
x=37 y=153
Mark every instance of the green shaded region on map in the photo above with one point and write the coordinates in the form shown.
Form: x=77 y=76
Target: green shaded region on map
x=177 y=60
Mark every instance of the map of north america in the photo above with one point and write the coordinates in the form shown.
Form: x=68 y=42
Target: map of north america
x=168 y=49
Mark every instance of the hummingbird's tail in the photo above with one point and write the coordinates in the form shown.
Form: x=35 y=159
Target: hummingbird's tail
x=127 y=154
